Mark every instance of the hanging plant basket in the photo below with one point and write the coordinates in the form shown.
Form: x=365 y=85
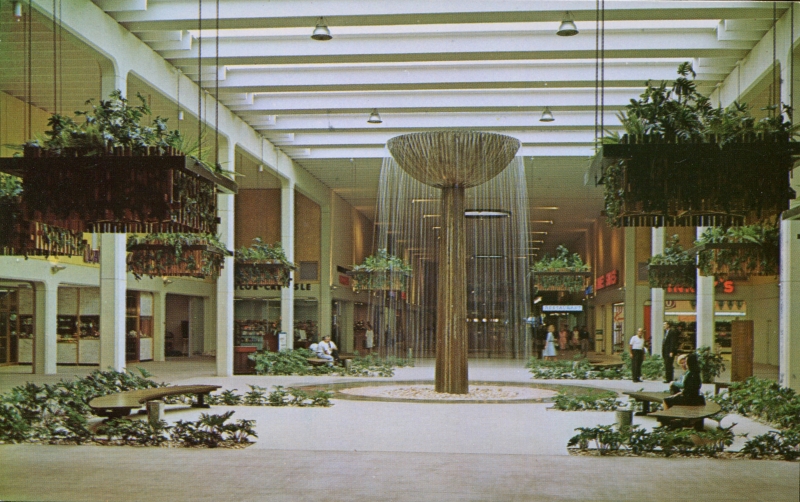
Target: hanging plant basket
x=20 y=237
x=176 y=255
x=652 y=183
x=672 y=276
x=560 y=280
x=379 y=280
x=742 y=251
x=119 y=193
x=261 y=273
x=262 y=264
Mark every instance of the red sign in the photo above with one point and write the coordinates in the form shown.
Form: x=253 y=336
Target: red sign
x=604 y=281
x=720 y=285
x=344 y=280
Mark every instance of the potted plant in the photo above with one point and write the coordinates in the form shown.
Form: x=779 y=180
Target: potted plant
x=380 y=272
x=262 y=264
x=746 y=250
x=562 y=272
x=673 y=268
x=134 y=177
x=683 y=162
x=175 y=254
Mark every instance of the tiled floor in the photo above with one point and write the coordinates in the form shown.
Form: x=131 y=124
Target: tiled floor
x=362 y=450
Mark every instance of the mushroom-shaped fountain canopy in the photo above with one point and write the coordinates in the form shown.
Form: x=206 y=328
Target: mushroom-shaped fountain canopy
x=453 y=158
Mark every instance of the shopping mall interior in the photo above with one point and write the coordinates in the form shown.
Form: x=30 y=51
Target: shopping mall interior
x=326 y=129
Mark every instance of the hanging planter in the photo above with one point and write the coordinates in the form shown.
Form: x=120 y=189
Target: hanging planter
x=674 y=268
x=563 y=272
x=381 y=272
x=685 y=163
x=262 y=265
x=175 y=254
x=739 y=251
x=111 y=174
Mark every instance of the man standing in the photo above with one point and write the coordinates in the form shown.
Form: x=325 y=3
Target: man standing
x=637 y=355
x=583 y=337
x=668 y=350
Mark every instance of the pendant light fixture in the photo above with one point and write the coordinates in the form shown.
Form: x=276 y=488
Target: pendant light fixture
x=567 y=28
x=321 y=32
x=374 y=117
x=547 y=115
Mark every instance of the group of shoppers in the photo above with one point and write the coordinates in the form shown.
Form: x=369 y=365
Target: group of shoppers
x=686 y=390
x=577 y=338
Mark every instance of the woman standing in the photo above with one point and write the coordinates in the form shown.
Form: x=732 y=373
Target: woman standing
x=549 y=352
x=562 y=338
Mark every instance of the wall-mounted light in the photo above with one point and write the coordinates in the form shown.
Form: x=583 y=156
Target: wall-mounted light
x=321 y=32
x=17 y=11
x=167 y=281
x=180 y=114
x=547 y=115
x=546 y=222
x=57 y=268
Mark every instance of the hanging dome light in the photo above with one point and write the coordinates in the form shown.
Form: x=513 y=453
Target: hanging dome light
x=321 y=32
x=547 y=115
x=567 y=28
x=374 y=117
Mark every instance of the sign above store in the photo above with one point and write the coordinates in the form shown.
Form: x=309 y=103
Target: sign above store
x=609 y=279
x=562 y=308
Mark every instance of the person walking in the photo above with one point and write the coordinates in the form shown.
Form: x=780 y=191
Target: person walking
x=668 y=350
x=583 y=336
x=637 y=355
x=549 y=352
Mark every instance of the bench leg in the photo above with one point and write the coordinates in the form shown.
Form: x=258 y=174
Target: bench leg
x=645 y=408
x=201 y=401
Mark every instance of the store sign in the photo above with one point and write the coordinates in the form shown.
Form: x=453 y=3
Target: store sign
x=297 y=287
x=720 y=287
x=562 y=308
x=344 y=280
x=607 y=280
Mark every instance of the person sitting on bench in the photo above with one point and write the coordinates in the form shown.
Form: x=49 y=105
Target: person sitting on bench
x=690 y=394
x=327 y=350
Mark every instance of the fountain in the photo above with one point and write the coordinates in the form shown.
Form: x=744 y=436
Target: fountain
x=452 y=161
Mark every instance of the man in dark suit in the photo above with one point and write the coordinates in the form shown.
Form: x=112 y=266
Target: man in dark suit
x=669 y=350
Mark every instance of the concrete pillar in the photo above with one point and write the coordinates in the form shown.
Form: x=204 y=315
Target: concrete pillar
x=705 y=307
x=113 y=283
x=45 y=310
x=225 y=208
x=159 y=325
x=789 y=308
x=287 y=240
x=325 y=297
x=657 y=298
x=633 y=310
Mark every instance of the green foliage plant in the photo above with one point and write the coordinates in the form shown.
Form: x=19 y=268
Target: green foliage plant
x=672 y=268
x=784 y=444
x=711 y=364
x=763 y=400
x=172 y=254
x=262 y=264
x=381 y=271
x=751 y=250
x=563 y=272
x=604 y=402
x=663 y=441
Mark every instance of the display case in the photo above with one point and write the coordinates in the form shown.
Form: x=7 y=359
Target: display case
x=250 y=333
x=722 y=336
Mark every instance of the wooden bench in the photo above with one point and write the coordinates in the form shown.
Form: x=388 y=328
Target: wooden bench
x=720 y=385
x=686 y=416
x=605 y=365
x=315 y=361
x=646 y=398
x=120 y=404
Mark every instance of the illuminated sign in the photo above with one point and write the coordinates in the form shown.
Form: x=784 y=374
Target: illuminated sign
x=607 y=280
x=562 y=308
x=720 y=286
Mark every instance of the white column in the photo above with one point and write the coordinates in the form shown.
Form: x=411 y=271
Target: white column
x=287 y=240
x=325 y=297
x=705 y=307
x=159 y=325
x=113 y=283
x=224 y=302
x=789 y=320
x=633 y=316
x=45 y=337
x=657 y=297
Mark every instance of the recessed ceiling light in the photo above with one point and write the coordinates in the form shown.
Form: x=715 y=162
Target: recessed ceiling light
x=486 y=213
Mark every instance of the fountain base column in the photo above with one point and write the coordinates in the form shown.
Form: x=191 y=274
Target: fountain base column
x=451 y=310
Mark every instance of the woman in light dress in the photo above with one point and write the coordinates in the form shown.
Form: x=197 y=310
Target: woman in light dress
x=370 y=341
x=549 y=352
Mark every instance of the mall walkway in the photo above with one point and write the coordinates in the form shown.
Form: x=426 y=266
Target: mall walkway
x=367 y=450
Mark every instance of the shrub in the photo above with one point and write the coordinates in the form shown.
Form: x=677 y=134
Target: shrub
x=582 y=402
x=763 y=400
x=661 y=440
x=783 y=444
x=711 y=364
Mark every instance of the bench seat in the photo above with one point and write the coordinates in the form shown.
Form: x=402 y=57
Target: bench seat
x=646 y=398
x=120 y=404
x=315 y=361
x=692 y=416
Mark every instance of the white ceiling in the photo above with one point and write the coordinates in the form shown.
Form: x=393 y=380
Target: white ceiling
x=423 y=65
